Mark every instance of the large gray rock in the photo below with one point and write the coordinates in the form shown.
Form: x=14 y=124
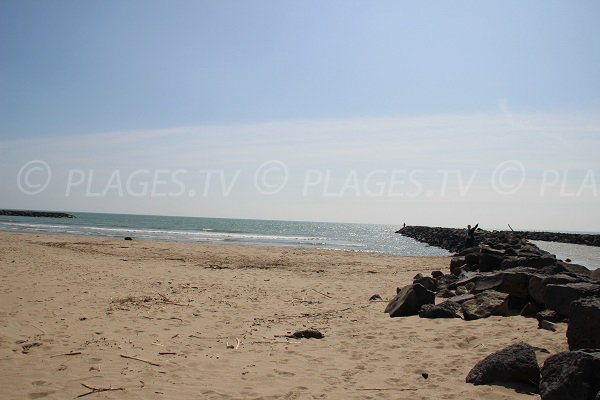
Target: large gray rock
x=516 y=363
x=572 y=375
x=595 y=275
x=409 y=300
x=560 y=297
x=514 y=282
x=427 y=282
x=490 y=259
x=447 y=309
x=584 y=324
x=486 y=304
x=538 y=283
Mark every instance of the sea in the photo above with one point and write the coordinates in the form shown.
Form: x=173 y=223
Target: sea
x=368 y=238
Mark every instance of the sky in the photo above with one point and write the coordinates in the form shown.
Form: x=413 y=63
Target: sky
x=437 y=113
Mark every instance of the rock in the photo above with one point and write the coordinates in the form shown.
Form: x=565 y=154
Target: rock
x=456 y=264
x=530 y=310
x=437 y=275
x=375 y=297
x=583 y=331
x=490 y=259
x=307 y=334
x=409 y=300
x=514 y=282
x=453 y=239
x=560 y=297
x=427 y=282
x=549 y=326
x=516 y=363
x=595 y=275
x=38 y=214
x=538 y=283
x=461 y=298
x=573 y=268
x=486 y=304
x=549 y=315
x=446 y=309
x=460 y=290
x=446 y=293
x=128 y=238
x=572 y=375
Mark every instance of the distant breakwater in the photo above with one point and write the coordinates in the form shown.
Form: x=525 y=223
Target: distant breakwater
x=27 y=213
x=453 y=239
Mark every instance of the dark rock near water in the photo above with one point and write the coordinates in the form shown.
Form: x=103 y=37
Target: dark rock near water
x=560 y=297
x=447 y=309
x=584 y=324
x=44 y=214
x=453 y=239
x=538 y=283
x=486 y=304
x=572 y=375
x=409 y=300
x=514 y=364
x=128 y=238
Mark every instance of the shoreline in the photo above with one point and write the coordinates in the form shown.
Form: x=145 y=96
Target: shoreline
x=79 y=304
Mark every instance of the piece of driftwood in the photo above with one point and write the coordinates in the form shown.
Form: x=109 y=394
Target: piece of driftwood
x=97 y=390
x=139 y=359
x=323 y=294
x=73 y=353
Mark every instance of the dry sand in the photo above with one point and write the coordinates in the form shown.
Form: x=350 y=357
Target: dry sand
x=101 y=299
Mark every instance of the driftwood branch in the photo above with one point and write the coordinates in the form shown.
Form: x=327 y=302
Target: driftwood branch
x=73 y=353
x=166 y=300
x=139 y=359
x=97 y=390
x=321 y=293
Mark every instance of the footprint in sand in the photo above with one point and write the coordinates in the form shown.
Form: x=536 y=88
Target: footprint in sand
x=284 y=373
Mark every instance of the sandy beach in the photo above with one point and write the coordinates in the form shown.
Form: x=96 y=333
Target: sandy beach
x=163 y=320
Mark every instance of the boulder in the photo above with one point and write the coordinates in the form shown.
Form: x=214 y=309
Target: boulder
x=409 y=300
x=573 y=268
x=437 y=275
x=516 y=363
x=595 y=275
x=584 y=324
x=427 y=282
x=560 y=297
x=456 y=264
x=514 y=282
x=486 y=304
x=572 y=375
x=461 y=298
x=490 y=259
x=447 y=309
x=538 y=283
x=549 y=315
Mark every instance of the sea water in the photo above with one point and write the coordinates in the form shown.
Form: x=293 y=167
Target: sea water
x=317 y=235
